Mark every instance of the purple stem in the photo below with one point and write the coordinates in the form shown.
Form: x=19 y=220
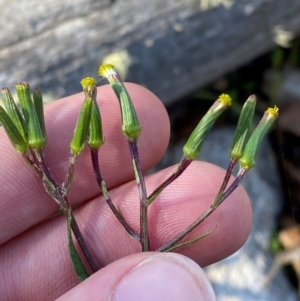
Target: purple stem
x=234 y=185
x=144 y=232
x=181 y=167
x=230 y=168
x=101 y=184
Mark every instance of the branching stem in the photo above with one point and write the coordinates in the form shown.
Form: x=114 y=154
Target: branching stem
x=36 y=159
x=170 y=245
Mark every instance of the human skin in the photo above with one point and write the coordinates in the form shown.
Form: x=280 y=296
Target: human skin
x=34 y=258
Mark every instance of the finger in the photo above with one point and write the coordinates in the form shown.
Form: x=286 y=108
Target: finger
x=175 y=208
x=144 y=277
x=23 y=201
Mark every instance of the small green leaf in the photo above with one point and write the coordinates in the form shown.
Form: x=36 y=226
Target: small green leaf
x=190 y=242
x=191 y=149
x=76 y=260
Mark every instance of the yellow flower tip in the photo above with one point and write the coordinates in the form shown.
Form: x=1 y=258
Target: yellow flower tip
x=21 y=86
x=106 y=70
x=225 y=99
x=273 y=112
x=88 y=82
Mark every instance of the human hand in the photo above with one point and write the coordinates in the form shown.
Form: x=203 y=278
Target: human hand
x=34 y=258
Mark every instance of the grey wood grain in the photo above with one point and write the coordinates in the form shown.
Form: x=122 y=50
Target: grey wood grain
x=171 y=47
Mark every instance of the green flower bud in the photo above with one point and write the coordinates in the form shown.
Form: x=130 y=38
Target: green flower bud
x=12 y=132
x=248 y=159
x=131 y=127
x=95 y=138
x=14 y=113
x=89 y=87
x=36 y=137
x=39 y=108
x=83 y=122
x=191 y=149
x=243 y=126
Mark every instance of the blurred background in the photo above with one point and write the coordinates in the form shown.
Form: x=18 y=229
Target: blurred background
x=187 y=53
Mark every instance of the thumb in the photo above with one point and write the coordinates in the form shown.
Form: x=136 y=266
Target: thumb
x=145 y=277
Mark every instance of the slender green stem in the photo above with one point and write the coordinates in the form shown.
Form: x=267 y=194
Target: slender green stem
x=189 y=242
x=169 y=245
x=144 y=232
x=102 y=186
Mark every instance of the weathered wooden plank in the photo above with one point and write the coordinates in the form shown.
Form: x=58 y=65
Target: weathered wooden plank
x=172 y=47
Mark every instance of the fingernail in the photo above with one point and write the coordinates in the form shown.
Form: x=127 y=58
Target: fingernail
x=164 y=276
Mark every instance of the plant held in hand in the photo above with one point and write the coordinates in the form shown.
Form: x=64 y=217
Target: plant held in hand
x=26 y=130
